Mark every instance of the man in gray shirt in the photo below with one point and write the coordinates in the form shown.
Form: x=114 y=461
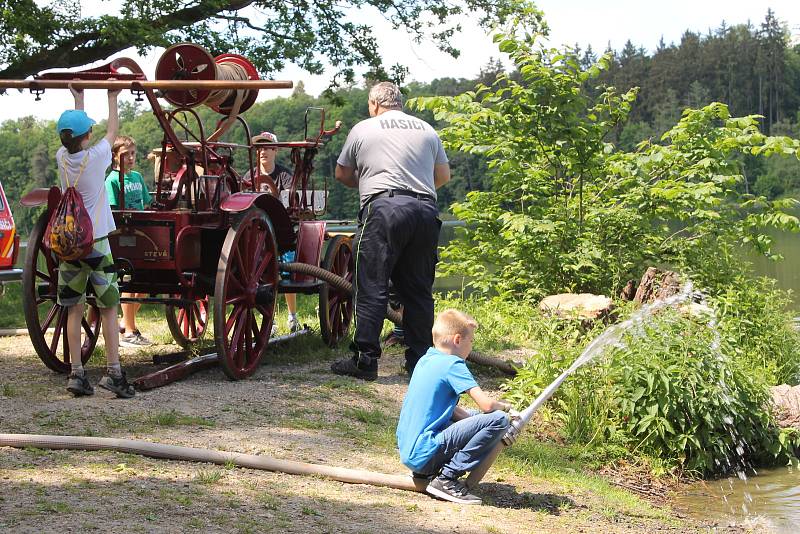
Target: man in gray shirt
x=397 y=162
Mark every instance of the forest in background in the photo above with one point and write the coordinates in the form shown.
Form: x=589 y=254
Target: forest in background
x=751 y=67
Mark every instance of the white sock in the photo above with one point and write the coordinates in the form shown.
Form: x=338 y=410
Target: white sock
x=292 y=317
x=77 y=368
x=114 y=369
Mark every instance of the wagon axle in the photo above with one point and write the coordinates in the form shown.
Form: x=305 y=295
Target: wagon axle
x=264 y=294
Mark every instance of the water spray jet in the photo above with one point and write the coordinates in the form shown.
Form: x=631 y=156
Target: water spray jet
x=611 y=336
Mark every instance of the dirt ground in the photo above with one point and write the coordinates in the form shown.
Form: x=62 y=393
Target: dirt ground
x=292 y=408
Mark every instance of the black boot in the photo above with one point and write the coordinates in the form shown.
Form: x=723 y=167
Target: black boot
x=411 y=362
x=362 y=367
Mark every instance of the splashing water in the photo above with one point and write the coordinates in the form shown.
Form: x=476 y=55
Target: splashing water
x=780 y=506
x=735 y=460
x=771 y=505
x=612 y=336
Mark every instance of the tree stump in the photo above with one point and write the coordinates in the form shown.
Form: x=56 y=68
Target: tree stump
x=584 y=306
x=629 y=291
x=657 y=284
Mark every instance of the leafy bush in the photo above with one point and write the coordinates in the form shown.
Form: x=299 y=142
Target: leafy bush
x=756 y=320
x=681 y=399
x=569 y=211
x=676 y=391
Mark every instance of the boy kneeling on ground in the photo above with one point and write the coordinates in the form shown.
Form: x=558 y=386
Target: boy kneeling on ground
x=436 y=437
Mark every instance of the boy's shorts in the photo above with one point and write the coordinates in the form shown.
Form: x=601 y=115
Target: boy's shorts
x=97 y=268
x=287 y=257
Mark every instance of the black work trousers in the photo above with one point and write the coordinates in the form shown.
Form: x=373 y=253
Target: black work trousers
x=397 y=239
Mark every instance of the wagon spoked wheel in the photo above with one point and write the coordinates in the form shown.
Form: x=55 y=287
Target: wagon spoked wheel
x=188 y=322
x=245 y=294
x=335 y=305
x=45 y=318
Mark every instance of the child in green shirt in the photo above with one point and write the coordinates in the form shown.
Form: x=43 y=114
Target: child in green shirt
x=137 y=197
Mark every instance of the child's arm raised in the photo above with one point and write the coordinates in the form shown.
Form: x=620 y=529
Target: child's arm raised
x=77 y=94
x=113 y=117
x=485 y=403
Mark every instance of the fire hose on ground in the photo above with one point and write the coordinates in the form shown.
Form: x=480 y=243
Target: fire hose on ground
x=176 y=452
x=191 y=454
x=252 y=461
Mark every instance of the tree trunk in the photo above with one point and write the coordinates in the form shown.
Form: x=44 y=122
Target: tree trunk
x=657 y=284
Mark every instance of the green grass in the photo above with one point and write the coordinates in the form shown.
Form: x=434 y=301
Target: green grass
x=568 y=468
x=269 y=501
x=56 y=420
x=208 y=476
x=370 y=417
x=172 y=418
x=195 y=523
x=11 y=315
x=53 y=507
x=349 y=386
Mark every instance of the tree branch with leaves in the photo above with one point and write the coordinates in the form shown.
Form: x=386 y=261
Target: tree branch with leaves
x=272 y=33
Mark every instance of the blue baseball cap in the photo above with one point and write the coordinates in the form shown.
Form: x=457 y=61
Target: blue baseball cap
x=76 y=120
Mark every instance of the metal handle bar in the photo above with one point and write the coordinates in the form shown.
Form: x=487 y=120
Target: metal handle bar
x=136 y=85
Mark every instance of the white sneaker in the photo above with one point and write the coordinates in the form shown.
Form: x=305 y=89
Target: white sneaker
x=134 y=340
x=274 y=330
x=294 y=325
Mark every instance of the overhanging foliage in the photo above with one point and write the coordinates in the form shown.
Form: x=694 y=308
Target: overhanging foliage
x=568 y=211
x=56 y=34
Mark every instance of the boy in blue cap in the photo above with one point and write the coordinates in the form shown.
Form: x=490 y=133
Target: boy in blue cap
x=435 y=435
x=85 y=167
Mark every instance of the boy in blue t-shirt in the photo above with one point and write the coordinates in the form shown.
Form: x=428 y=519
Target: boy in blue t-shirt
x=435 y=435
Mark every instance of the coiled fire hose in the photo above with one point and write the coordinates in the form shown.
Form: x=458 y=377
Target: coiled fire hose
x=341 y=284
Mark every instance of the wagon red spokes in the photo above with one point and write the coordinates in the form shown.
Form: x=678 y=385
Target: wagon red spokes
x=245 y=291
x=336 y=306
x=188 y=322
x=45 y=318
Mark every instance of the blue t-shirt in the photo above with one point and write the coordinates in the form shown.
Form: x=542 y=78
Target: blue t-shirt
x=438 y=380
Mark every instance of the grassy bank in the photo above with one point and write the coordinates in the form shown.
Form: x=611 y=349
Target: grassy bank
x=568 y=471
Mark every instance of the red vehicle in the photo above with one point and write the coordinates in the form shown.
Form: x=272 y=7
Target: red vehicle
x=209 y=234
x=9 y=241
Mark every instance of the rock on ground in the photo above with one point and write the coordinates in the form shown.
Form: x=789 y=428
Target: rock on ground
x=787 y=401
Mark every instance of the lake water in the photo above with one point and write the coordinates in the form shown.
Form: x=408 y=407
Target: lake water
x=766 y=502
x=787 y=271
